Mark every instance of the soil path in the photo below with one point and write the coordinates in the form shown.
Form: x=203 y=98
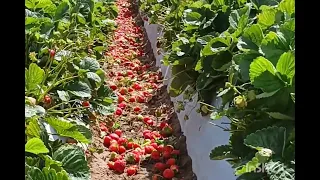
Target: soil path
x=132 y=73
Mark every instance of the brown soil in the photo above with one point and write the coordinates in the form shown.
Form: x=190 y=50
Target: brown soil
x=132 y=128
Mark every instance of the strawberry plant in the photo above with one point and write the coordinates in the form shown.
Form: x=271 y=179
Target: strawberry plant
x=244 y=53
x=64 y=82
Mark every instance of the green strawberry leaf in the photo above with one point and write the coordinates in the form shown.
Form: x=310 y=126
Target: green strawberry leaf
x=272 y=138
x=80 y=89
x=33 y=77
x=277 y=170
x=286 y=65
x=73 y=161
x=89 y=64
x=36 y=146
x=221 y=152
x=262 y=75
x=287 y=6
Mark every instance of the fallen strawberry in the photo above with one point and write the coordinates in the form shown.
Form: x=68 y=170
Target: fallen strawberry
x=168 y=173
x=132 y=170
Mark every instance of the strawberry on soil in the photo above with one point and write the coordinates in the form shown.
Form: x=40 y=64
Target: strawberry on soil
x=137 y=149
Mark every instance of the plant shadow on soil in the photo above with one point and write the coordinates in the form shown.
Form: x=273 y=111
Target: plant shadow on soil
x=132 y=128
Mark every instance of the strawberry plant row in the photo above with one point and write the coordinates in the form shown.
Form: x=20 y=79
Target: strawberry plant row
x=65 y=84
x=241 y=51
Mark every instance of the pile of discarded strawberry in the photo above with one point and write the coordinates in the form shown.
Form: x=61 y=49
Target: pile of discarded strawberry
x=135 y=85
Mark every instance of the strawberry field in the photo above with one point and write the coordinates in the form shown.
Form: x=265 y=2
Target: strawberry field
x=97 y=107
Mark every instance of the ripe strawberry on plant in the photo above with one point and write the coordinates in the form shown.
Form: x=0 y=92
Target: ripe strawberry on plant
x=52 y=53
x=168 y=173
x=47 y=99
x=85 y=104
x=119 y=166
x=132 y=170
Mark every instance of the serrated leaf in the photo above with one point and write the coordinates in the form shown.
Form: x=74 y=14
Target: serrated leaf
x=287 y=6
x=215 y=46
x=274 y=45
x=93 y=76
x=179 y=84
x=105 y=109
x=36 y=146
x=279 y=171
x=67 y=129
x=34 y=173
x=267 y=17
x=273 y=138
x=73 y=161
x=33 y=129
x=89 y=64
x=251 y=39
x=280 y=116
x=286 y=65
x=63 y=95
x=221 y=152
x=61 y=11
x=80 y=89
x=33 y=77
x=262 y=75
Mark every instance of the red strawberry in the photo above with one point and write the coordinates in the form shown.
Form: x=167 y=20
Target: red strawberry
x=120 y=74
x=149 y=149
x=163 y=124
x=110 y=165
x=130 y=89
x=146 y=131
x=119 y=166
x=52 y=53
x=122 y=149
x=122 y=105
x=135 y=145
x=123 y=91
x=155 y=155
x=175 y=152
x=118 y=132
x=106 y=141
x=113 y=86
x=137 y=158
x=166 y=154
x=137 y=86
x=168 y=148
x=114 y=147
x=156 y=177
x=118 y=112
x=155 y=145
x=168 y=173
x=167 y=131
x=160 y=166
x=120 y=99
x=132 y=99
x=171 y=161
x=147 y=135
x=145 y=119
x=47 y=99
x=129 y=72
x=141 y=99
x=122 y=141
x=132 y=170
x=114 y=136
x=85 y=104
x=130 y=145
x=150 y=122
x=137 y=109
